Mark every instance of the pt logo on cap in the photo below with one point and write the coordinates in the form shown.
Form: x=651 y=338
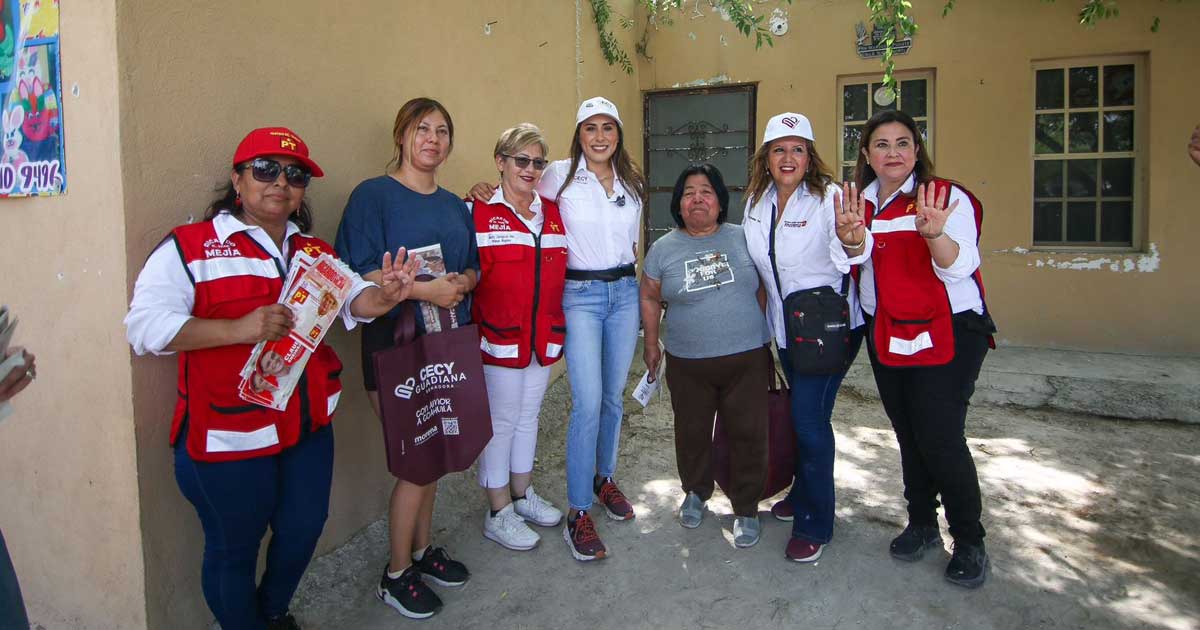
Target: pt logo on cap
x=790 y=121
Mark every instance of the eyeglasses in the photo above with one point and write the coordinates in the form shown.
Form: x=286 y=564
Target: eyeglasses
x=265 y=170
x=521 y=161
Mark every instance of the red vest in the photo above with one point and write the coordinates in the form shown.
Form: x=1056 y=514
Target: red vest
x=231 y=279
x=518 y=303
x=912 y=324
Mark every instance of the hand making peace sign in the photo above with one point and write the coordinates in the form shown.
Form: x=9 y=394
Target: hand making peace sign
x=932 y=211
x=848 y=208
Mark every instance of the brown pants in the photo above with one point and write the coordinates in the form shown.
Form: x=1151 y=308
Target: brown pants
x=734 y=386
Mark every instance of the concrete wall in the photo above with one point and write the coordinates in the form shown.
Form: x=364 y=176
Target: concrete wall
x=196 y=77
x=982 y=56
x=69 y=491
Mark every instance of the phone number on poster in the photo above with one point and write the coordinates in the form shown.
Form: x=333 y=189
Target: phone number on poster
x=30 y=177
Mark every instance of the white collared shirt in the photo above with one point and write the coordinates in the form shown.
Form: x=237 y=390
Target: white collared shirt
x=534 y=224
x=601 y=233
x=807 y=250
x=164 y=296
x=960 y=227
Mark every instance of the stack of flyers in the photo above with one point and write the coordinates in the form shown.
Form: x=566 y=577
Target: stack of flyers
x=431 y=264
x=7 y=363
x=315 y=290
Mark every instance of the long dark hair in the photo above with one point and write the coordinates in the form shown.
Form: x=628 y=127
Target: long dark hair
x=864 y=174
x=631 y=176
x=228 y=201
x=411 y=113
x=714 y=178
x=817 y=177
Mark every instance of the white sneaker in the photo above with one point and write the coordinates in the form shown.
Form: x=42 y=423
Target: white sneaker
x=509 y=530
x=537 y=510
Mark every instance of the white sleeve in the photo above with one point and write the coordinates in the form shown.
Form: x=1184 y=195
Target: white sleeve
x=840 y=258
x=553 y=178
x=349 y=319
x=163 y=297
x=960 y=227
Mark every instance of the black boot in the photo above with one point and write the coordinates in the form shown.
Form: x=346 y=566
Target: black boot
x=968 y=565
x=914 y=541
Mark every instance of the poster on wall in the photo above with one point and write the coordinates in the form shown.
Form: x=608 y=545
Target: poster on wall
x=33 y=161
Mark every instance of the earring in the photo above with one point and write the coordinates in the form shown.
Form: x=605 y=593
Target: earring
x=237 y=200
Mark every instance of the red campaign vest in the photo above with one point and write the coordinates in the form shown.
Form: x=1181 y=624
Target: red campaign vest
x=518 y=303
x=231 y=279
x=912 y=324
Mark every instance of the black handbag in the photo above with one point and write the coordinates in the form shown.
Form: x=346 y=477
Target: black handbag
x=816 y=323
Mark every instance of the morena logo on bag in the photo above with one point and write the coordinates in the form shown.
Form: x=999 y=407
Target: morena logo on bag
x=433 y=377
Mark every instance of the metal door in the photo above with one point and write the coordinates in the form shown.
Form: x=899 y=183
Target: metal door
x=693 y=126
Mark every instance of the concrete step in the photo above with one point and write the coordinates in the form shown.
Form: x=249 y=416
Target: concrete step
x=1116 y=385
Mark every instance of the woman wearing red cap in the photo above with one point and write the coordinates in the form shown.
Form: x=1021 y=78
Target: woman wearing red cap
x=209 y=292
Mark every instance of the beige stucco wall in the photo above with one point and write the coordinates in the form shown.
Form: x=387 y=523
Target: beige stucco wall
x=196 y=77
x=982 y=55
x=69 y=497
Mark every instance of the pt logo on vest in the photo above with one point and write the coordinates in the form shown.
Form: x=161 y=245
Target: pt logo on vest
x=499 y=224
x=911 y=207
x=216 y=248
x=312 y=250
x=554 y=227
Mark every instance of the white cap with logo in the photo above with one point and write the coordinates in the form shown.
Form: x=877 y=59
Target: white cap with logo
x=788 y=124
x=597 y=105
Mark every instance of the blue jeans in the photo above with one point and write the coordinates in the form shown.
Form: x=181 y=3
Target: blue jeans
x=811 y=495
x=236 y=501
x=12 y=607
x=602 y=325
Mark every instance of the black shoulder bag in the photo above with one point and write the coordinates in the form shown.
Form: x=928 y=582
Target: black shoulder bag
x=816 y=323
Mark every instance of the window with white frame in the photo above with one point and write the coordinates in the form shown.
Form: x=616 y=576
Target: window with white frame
x=862 y=97
x=1086 y=139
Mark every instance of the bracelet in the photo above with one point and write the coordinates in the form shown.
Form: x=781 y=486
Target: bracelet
x=858 y=246
x=935 y=236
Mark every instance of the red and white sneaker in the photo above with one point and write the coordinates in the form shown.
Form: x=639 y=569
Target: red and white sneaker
x=581 y=537
x=614 y=501
x=800 y=550
x=782 y=510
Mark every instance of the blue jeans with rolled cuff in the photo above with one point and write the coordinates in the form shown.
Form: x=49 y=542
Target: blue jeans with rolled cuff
x=236 y=502
x=602 y=327
x=812 y=401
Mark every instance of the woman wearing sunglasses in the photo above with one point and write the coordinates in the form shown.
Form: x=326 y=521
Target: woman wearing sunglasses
x=518 y=305
x=407 y=208
x=209 y=292
x=600 y=192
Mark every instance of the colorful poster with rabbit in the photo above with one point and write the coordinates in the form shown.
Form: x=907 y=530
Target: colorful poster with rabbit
x=33 y=162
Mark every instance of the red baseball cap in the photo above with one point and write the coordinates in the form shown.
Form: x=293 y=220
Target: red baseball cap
x=274 y=141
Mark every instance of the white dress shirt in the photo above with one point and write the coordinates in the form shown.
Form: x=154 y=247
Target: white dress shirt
x=163 y=296
x=807 y=250
x=601 y=232
x=960 y=227
x=534 y=224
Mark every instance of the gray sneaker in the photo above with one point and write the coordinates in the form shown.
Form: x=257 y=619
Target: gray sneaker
x=692 y=511
x=746 y=530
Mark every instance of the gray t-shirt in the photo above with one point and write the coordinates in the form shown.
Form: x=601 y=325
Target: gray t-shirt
x=710 y=287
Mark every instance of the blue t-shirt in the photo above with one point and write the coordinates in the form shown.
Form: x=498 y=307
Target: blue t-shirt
x=383 y=215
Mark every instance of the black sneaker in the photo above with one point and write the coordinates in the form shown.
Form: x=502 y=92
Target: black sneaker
x=285 y=622
x=440 y=568
x=968 y=565
x=408 y=594
x=914 y=541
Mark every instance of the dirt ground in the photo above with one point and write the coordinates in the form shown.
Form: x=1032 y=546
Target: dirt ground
x=1088 y=527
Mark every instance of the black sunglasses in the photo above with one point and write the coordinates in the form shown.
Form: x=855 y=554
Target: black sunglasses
x=521 y=161
x=267 y=171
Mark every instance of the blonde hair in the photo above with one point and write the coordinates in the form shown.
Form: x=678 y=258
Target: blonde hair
x=519 y=137
x=816 y=178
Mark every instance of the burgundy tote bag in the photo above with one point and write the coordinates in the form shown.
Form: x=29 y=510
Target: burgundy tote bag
x=433 y=401
x=781 y=440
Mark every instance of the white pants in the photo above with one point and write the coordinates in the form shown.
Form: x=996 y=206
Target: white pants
x=515 y=397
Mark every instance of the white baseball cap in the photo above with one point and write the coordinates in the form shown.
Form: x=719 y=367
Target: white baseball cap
x=788 y=124
x=597 y=105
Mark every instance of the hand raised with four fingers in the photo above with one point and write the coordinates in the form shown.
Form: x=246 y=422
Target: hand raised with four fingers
x=932 y=211
x=848 y=208
x=398 y=276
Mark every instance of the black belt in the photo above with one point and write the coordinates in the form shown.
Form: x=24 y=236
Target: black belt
x=603 y=275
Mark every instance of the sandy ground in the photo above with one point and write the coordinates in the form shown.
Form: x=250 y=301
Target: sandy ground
x=1087 y=518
